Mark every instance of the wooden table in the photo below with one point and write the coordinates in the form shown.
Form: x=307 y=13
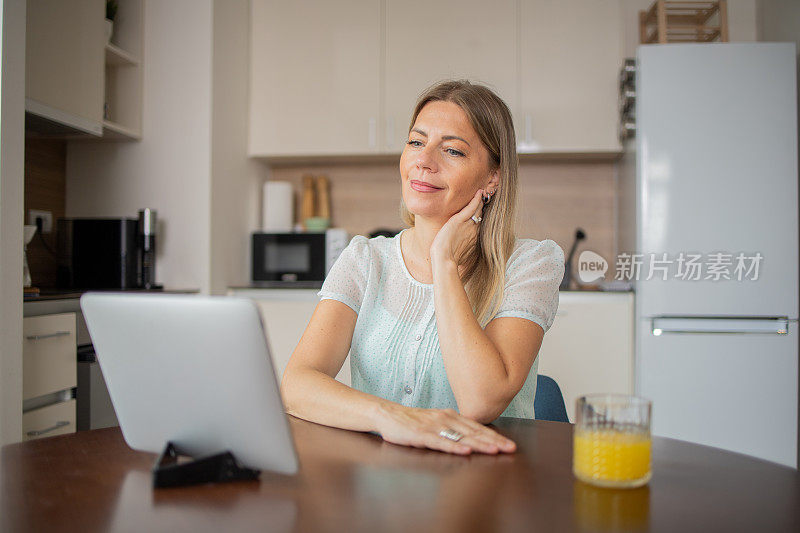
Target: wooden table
x=91 y=481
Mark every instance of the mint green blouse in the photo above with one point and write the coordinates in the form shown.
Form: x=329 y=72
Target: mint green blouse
x=395 y=350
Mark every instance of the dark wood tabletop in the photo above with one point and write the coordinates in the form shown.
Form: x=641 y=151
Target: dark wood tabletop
x=92 y=481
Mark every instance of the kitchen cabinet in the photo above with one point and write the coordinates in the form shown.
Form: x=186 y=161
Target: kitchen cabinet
x=64 y=63
x=315 y=73
x=55 y=419
x=342 y=79
x=570 y=54
x=75 y=82
x=448 y=39
x=589 y=348
x=49 y=374
x=285 y=314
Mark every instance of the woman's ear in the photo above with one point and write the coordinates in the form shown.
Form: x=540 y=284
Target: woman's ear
x=494 y=180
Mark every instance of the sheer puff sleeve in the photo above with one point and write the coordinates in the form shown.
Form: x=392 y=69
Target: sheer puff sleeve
x=347 y=280
x=533 y=273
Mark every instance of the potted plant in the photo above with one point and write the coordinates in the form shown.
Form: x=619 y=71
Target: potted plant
x=111 y=12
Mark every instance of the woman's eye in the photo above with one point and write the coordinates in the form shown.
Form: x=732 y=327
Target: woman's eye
x=414 y=143
x=453 y=151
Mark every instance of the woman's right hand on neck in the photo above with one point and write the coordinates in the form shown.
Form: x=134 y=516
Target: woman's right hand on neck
x=411 y=426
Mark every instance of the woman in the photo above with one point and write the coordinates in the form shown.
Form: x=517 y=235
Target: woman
x=443 y=322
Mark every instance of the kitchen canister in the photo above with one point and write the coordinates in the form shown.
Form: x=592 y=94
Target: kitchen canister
x=278 y=207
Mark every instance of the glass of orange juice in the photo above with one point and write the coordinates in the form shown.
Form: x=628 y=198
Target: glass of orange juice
x=611 y=440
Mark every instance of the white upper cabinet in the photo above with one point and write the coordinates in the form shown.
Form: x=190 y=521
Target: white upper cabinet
x=314 y=81
x=571 y=53
x=341 y=78
x=64 y=62
x=430 y=41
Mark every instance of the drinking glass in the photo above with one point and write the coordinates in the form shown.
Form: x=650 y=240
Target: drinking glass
x=611 y=440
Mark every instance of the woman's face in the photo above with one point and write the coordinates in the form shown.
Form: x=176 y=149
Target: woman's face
x=444 y=162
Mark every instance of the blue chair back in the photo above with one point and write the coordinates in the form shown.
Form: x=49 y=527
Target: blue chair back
x=549 y=402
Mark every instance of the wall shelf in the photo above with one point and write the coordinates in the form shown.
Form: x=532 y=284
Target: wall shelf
x=117 y=132
x=122 y=104
x=117 y=57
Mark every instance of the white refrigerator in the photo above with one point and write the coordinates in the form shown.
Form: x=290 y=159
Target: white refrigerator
x=711 y=180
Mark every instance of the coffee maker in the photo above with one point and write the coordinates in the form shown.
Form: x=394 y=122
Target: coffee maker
x=107 y=253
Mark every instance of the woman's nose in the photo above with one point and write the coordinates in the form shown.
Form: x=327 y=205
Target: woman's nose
x=426 y=159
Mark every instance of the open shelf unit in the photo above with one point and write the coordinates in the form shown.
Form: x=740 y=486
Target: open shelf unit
x=122 y=109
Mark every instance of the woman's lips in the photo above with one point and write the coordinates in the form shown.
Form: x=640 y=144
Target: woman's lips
x=423 y=187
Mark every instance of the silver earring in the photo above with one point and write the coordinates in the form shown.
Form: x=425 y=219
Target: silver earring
x=487 y=197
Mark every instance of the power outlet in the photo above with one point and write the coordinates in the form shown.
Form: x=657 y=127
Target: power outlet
x=46 y=216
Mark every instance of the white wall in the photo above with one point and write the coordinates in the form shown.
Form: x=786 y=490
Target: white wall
x=779 y=21
x=12 y=183
x=235 y=180
x=170 y=168
x=741 y=22
x=191 y=164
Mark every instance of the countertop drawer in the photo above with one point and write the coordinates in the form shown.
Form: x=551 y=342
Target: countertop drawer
x=49 y=358
x=56 y=419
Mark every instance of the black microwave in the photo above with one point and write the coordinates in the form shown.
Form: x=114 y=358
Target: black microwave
x=300 y=260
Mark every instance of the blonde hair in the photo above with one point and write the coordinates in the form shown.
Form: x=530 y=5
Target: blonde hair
x=485 y=264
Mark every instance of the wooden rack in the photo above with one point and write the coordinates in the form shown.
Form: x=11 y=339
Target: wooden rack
x=683 y=22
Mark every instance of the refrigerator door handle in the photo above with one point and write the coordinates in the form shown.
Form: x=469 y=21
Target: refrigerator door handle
x=775 y=326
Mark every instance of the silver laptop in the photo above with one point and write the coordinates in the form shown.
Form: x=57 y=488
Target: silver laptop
x=193 y=370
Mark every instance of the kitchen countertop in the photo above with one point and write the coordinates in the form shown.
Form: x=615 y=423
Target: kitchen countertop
x=68 y=301
x=310 y=295
x=68 y=294
x=289 y=287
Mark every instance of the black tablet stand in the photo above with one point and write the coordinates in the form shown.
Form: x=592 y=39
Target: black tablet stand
x=211 y=469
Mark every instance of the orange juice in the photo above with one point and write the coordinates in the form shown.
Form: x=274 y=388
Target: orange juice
x=611 y=458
